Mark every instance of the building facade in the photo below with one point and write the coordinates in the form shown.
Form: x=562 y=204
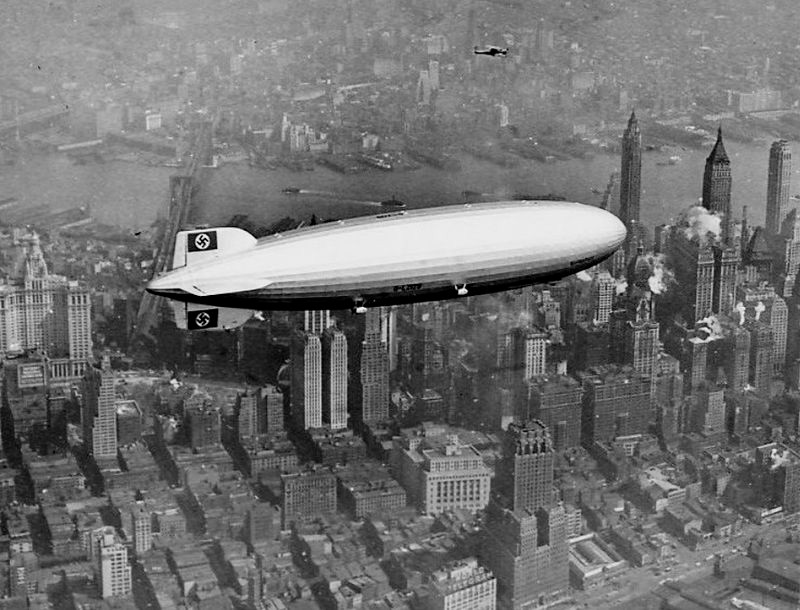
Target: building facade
x=717 y=187
x=306 y=388
x=334 y=379
x=779 y=179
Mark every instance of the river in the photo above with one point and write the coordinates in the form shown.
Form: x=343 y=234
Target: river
x=131 y=195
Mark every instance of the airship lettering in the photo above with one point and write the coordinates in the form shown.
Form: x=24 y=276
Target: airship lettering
x=203 y=242
x=407 y=287
x=581 y=262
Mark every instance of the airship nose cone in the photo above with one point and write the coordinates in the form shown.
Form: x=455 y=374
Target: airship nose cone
x=613 y=228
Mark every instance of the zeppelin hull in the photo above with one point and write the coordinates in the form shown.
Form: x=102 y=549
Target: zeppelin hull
x=405 y=257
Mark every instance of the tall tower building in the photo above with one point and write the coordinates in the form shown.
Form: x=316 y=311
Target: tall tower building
x=374 y=370
x=717 y=187
x=529 y=353
x=526 y=531
x=334 y=379
x=779 y=178
x=630 y=186
x=726 y=264
x=306 y=389
x=271 y=412
x=316 y=321
x=99 y=414
x=525 y=476
x=40 y=310
x=761 y=347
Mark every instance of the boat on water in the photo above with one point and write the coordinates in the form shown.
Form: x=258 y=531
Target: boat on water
x=291 y=190
x=393 y=203
x=673 y=160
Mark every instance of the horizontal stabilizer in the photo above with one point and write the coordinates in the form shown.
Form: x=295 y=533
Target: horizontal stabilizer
x=192 y=247
x=189 y=316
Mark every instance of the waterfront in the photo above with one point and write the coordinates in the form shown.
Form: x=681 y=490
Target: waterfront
x=131 y=195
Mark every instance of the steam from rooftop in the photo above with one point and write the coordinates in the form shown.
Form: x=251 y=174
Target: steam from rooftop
x=703 y=225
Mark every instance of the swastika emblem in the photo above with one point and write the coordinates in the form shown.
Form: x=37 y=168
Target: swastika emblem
x=202 y=241
x=203 y=319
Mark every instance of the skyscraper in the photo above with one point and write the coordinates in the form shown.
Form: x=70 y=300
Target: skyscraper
x=247 y=405
x=99 y=414
x=761 y=348
x=316 y=321
x=717 y=187
x=334 y=379
x=779 y=179
x=525 y=476
x=374 y=370
x=630 y=186
x=39 y=310
x=306 y=389
x=526 y=531
x=726 y=264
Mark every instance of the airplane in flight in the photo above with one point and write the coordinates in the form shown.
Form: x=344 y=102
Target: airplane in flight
x=221 y=276
x=490 y=50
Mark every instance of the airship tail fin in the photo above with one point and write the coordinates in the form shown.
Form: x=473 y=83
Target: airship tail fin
x=189 y=316
x=202 y=245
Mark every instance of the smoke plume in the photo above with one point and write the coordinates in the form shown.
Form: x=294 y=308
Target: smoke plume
x=662 y=277
x=759 y=309
x=621 y=286
x=584 y=276
x=710 y=327
x=703 y=225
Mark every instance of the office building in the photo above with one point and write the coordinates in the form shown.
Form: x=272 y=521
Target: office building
x=99 y=413
x=761 y=349
x=247 y=407
x=709 y=412
x=524 y=476
x=526 y=531
x=307 y=495
x=616 y=402
x=779 y=179
x=717 y=187
x=634 y=332
x=271 y=410
x=556 y=401
x=630 y=185
x=778 y=477
x=39 y=310
x=204 y=422
x=737 y=367
x=726 y=265
x=142 y=528
x=440 y=474
x=111 y=563
x=693 y=264
x=462 y=585
x=603 y=290
x=334 y=379
x=374 y=370
x=306 y=388
x=592 y=346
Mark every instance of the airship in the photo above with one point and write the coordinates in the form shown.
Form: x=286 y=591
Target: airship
x=221 y=276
